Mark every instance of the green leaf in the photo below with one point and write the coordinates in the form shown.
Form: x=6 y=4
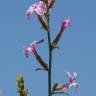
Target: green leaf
x=40 y=69
x=61 y=93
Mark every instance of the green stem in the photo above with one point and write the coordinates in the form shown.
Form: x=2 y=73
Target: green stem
x=50 y=55
x=49 y=72
x=21 y=94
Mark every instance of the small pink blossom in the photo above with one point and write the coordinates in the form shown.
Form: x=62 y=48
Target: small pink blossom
x=27 y=51
x=37 y=56
x=33 y=45
x=65 y=24
x=38 y=8
x=72 y=80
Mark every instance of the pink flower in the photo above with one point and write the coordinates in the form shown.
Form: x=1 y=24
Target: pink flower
x=65 y=24
x=37 y=56
x=27 y=51
x=72 y=80
x=33 y=46
x=38 y=8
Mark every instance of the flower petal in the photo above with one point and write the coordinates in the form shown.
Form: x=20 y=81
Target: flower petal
x=35 y=43
x=26 y=51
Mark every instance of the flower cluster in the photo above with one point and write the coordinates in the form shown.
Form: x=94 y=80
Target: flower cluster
x=39 y=8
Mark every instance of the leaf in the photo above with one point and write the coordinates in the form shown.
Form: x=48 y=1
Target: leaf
x=40 y=69
x=61 y=93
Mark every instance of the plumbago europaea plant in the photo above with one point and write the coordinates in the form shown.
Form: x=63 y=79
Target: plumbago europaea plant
x=42 y=11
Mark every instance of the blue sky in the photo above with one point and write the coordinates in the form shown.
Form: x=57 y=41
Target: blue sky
x=77 y=46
